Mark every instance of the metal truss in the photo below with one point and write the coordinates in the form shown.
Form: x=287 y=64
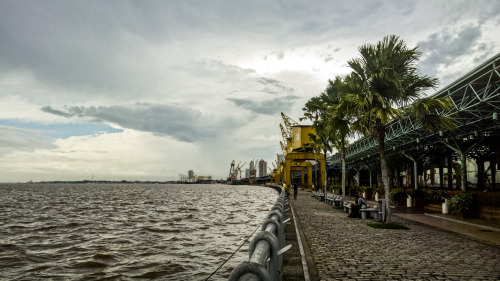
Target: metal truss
x=476 y=99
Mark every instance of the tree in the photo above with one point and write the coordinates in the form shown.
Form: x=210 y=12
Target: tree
x=323 y=140
x=338 y=121
x=386 y=81
x=316 y=110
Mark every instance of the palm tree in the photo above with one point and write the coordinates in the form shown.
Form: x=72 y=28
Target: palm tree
x=338 y=121
x=323 y=140
x=387 y=82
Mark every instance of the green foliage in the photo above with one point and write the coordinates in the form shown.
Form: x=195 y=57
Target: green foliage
x=336 y=187
x=389 y=225
x=380 y=190
x=352 y=189
x=398 y=195
x=462 y=202
x=369 y=190
x=333 y=187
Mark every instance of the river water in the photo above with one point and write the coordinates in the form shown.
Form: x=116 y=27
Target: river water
x=126 y=231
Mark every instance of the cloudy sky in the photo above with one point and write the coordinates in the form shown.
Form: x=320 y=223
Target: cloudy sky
x=145 y=90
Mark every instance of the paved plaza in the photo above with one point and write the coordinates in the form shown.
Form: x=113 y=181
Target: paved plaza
x=341 y=248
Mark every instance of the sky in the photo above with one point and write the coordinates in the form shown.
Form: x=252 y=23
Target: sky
x=147 y=90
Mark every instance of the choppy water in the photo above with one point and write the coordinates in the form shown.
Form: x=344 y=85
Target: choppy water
x=126 y=231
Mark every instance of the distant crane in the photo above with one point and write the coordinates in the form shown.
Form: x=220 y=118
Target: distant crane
x=233 y=171
x=238 y=168
x=183 y=177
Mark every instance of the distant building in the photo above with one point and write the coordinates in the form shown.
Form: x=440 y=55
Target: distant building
x=262 y=168
x=190 y=174
x=247 y=173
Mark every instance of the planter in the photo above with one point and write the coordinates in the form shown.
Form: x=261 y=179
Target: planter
x=446 y=207
x=409 y=202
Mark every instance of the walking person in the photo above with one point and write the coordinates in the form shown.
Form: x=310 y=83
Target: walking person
x=295 y=191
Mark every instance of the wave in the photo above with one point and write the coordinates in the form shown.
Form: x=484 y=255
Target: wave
x=162 y=230
x=164 y=270
x=104 y=257
x=90 y=264
x=78 y=233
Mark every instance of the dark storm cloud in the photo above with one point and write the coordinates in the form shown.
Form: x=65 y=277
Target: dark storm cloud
x=267 y=107
x=272 y=86
x=179 y=122
x=51 y=110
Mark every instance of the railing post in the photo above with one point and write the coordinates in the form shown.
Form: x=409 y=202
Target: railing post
x=264 y=262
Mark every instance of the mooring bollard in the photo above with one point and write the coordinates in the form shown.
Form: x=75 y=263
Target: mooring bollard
x=266 y=248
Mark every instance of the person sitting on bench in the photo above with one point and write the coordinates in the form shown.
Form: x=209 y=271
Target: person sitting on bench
x=358 y=202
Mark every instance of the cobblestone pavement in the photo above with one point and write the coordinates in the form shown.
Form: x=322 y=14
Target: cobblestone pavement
x=348 y=249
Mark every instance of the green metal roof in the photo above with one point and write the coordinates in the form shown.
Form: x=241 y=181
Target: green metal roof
x=476 y=96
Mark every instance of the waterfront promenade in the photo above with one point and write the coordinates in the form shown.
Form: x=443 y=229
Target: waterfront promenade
x=340 y=248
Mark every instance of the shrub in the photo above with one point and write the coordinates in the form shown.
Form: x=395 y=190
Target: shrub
x=369 y=191
x=463 y=202
x=353 y=189
x=380 y=190
x=398 y=195
x=335 y=187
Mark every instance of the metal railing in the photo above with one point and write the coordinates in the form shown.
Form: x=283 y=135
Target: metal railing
x=266 y=248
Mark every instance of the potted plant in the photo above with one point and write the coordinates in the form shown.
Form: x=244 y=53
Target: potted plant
x=418 y=197
x=398 y=196
x=465 y=203
x=368 y=191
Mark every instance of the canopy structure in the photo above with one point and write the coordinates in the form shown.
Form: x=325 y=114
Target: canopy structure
x=476 y=98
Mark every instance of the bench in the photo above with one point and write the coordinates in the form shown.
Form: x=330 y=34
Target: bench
x=334 y=200
x=329 y=200
x=338 y=201
x=377 y=212
x=320 y=196
x=347 y=208
x=369 y=212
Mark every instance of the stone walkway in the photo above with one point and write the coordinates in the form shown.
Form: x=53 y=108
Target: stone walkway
x=341 y=248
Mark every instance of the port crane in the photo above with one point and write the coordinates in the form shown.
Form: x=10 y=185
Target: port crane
x=234 y=170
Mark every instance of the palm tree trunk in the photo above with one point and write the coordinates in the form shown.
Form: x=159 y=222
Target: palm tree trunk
x=383 y=167
x=315 y=164
x=343 y=166
x=326 y=173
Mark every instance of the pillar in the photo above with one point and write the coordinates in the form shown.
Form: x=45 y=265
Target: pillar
x=450 y=171
x=415 y=171
x=441 y=176
x=309 y=178
x=302 y=175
